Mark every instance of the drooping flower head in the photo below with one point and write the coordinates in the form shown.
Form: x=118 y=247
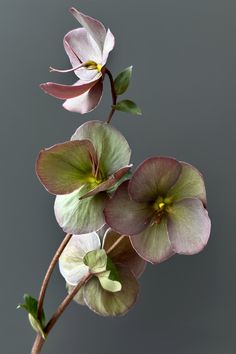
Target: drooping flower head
x=113 y=288
x=162 y=208
x=81 y=172
x=88 y=48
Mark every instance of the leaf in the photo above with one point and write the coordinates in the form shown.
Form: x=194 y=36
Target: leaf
x=121 y=82
x=128 y=106
x=31 y=306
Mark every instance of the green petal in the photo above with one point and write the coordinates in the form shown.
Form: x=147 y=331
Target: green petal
x=190 y=184
x=153 y=243
x=77 y=216
x=96 y=261
x=123 y=254
x=153 y=178
x=112 y=149
x=188 y=226
x=109 y=284
x=106 y=303
x=63 y=168
x=79 y=297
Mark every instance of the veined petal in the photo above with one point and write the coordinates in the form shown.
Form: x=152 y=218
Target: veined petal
x=110 y=182
x=108 y=46
x=64 y=167
x=112 y=148
x=106 y=303
x=79 y=297
x=190 y=184
x=123 y=253
x=188 y=226
x=125 y=215
x=80 y=43
x=64 y=92
x=86 y=102
x=153 y=178
x=94 y=27
x=153 y=243
x=77 y=216
x=71 y=263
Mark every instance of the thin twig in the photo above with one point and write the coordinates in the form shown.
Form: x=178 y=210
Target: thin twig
x=113 y=93
x=49 y=273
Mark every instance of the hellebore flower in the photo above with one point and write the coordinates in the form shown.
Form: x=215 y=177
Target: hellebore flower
x=113 y=288
x=162 y=208
x=81 y=172
x=88 y=49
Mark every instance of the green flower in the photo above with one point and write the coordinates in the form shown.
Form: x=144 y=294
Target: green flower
x=81 y=172
x=162 y=208
x=113 y=288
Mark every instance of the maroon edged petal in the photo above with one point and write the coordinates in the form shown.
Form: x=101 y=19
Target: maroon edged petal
x=126 y=216
x=123 y=253
x=153 y=178
x=153 y=244
x=188 y=226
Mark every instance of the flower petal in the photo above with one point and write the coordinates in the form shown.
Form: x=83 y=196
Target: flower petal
x=64 y=167
x=86 y=102
x=109 y=183
x=190 y=184
x=123 y=254
x=188 y=226
x=112 y=148
x=106 y=303
x=67 y=91
x=95 y=28
x=77 y=216
x=153 y=243
x=81 y=44
x=125 y=215
x=108 y=46
x=71 y=262
x=153 y=178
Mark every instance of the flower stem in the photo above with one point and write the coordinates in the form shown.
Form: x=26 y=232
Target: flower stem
x=113 y=93
x=39 y=341
x=49 y=273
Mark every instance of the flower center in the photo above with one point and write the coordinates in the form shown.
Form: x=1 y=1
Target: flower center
x=92 y=65
x=161 y=207
x=94 y=182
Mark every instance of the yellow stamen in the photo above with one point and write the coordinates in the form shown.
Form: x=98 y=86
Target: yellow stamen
x=161 y=205
x=99 y=67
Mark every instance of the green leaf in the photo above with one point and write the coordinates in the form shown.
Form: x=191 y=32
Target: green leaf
x=121 y=82
x=31 y=306
x=128 y=106
x=96 y=261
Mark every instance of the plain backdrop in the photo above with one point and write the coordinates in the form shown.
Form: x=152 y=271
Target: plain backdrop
x=184 y=55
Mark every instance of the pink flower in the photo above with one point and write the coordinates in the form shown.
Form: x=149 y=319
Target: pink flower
x=88 y=49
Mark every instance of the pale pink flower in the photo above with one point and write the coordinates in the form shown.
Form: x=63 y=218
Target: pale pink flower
x=88 y=48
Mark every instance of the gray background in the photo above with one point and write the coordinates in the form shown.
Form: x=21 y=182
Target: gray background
x=184 y=57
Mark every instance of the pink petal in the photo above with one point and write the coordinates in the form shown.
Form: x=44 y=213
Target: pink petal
x=154 y=177
x=67 y=91
x=188 y=226
x=125 y=215
x=95 y=28
x=85 y=102
x=108 y=46
x=82 y=45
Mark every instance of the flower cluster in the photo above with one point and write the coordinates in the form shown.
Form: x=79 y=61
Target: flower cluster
x=117 y=220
